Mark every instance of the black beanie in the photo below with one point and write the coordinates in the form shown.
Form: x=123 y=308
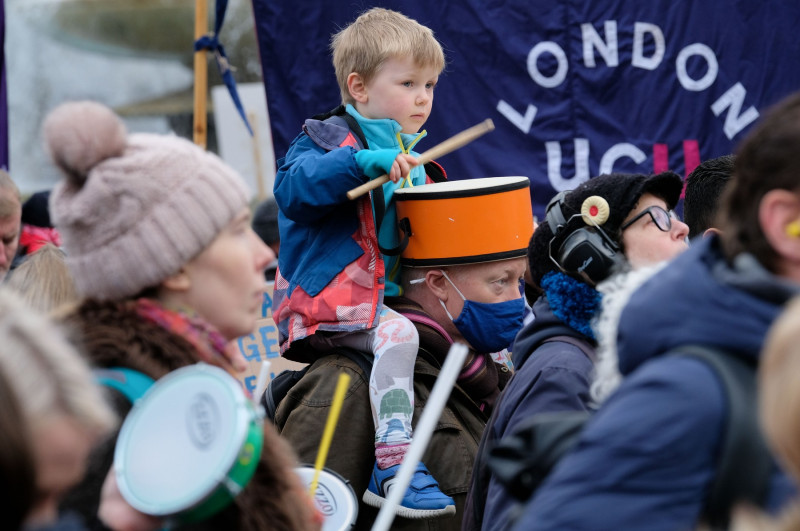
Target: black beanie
x=35 y=211
x=622 y=192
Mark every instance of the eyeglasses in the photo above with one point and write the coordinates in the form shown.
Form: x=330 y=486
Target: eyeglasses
x=662 y=218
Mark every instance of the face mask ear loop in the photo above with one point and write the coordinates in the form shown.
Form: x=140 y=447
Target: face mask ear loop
x=445 y=309
x=458 y=290
x=451 y=283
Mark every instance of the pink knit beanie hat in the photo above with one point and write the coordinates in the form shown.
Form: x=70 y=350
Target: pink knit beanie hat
x=133 y=209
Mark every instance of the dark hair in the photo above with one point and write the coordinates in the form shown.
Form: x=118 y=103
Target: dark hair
x=766 y=160
x=36 y=209
x=704 y=188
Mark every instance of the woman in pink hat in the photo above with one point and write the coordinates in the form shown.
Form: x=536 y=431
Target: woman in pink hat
x=158 y=240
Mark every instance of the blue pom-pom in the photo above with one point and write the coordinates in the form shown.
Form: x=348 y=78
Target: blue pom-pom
x=572 y=301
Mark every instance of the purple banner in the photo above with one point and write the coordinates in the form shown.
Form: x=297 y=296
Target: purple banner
x=575 y=89
x=4 y=163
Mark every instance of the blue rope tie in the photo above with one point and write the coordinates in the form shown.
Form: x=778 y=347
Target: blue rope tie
x=211 y=43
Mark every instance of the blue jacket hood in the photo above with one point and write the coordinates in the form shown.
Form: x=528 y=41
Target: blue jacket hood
x=700 y=299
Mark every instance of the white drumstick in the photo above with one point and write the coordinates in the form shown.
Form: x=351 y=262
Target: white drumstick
x=422 y=434
x=262 y=379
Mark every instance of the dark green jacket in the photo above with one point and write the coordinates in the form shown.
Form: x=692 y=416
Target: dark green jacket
x=302 y=414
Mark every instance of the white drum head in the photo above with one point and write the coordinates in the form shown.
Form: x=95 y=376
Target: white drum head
x=334 y=498
x=180 y=440
x=479 y=185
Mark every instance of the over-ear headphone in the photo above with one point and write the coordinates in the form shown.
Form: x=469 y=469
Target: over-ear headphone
x=587 y=252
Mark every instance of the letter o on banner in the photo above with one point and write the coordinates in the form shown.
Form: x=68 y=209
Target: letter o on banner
x=710 y=76
x=561 y=72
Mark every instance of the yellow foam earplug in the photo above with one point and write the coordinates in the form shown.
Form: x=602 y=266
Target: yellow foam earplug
x=595 y=210
x=793 y=229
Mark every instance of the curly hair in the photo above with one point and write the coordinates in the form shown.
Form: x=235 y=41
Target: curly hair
x=114 y=335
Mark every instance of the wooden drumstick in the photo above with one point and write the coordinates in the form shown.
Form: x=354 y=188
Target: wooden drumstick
x=451 y=144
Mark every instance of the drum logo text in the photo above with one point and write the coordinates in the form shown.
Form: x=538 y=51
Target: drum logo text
x=325 y=500
x=202 y=419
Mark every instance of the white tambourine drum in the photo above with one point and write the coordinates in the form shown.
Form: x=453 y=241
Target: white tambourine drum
x=335 y=498
x=189 y=445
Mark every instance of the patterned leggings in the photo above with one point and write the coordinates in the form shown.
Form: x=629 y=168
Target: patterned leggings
x=393 y=343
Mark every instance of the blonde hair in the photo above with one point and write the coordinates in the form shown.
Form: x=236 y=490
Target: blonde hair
x=376 y=36
x=46 y=372
x=43 y=280
x=10 y=202
x=779 y=387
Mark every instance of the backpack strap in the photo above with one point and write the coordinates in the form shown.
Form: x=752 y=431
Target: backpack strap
x=362 y=359
x=278 y=388
x=524 y=458
x=404 y=225
x=745 y=464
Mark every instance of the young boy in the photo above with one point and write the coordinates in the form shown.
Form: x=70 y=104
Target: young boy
x=334 y=268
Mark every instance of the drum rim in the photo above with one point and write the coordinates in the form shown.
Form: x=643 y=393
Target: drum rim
x=325 y=470
x=245 y=415
x=446 y=190
x=465 y=260
x=306 y=468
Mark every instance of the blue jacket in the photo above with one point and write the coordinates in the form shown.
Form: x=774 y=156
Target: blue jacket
x=646 y=459
x=331 y=275
x=549 y=377
x=317 y=221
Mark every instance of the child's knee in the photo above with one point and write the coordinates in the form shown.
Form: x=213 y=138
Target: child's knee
x=397 y=331
x=402 y=330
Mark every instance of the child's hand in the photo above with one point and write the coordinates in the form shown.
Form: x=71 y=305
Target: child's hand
x=391 y=162
x=402 y=167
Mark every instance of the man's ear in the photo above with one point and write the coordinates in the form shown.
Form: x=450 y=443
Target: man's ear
x=779 y=214
x=357 y=87
x=711 y=231
x=436 y=282
x=177 y=282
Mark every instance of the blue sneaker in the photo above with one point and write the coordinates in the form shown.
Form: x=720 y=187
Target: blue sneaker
x=423 y=498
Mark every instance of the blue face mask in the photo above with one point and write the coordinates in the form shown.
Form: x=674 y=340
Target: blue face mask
x=488 y=327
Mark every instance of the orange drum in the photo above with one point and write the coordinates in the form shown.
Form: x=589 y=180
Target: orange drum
x=465 y=222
